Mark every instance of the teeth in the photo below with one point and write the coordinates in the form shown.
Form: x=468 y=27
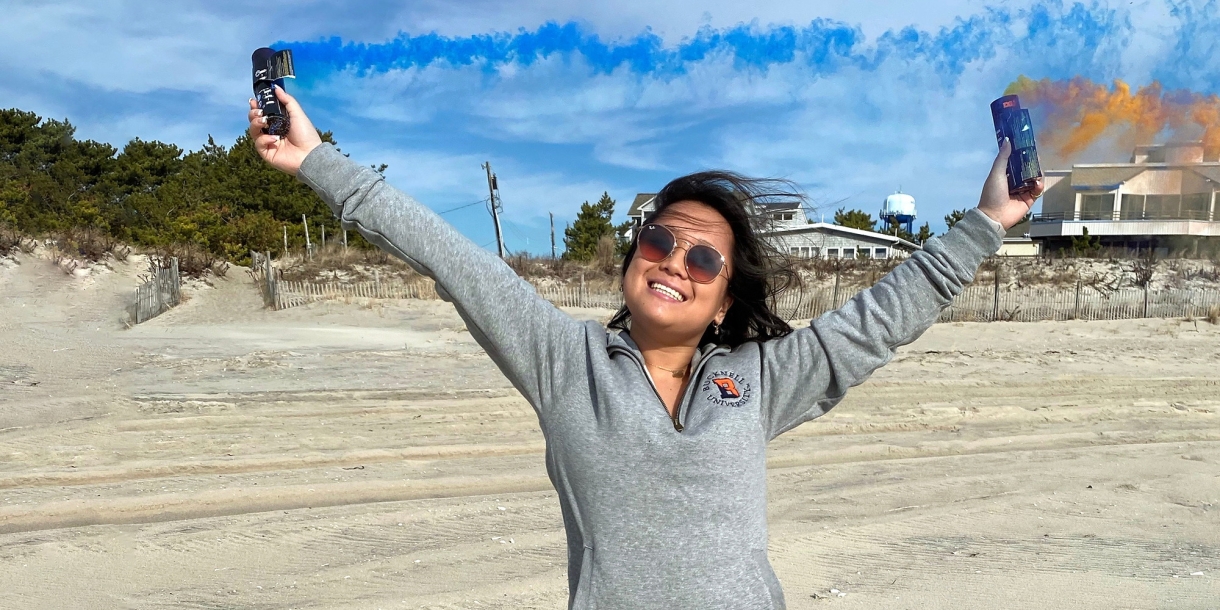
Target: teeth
x=666 y=290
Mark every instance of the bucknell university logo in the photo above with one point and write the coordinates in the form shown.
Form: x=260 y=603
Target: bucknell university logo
x=726 y=388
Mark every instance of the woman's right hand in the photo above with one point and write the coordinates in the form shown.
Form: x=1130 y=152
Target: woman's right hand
x=284 y=153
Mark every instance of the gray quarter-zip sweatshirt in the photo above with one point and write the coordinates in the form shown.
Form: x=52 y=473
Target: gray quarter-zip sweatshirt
x=659 y=513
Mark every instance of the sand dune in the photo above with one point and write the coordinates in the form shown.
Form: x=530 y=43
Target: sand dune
x=369 y=455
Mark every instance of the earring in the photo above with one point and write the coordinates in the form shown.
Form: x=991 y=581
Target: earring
x=717 y=330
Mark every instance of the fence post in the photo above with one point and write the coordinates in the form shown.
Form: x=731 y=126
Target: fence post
x=995 y=303
x=581 y=296
x=834 y=297
x=157 y=289
x=177 y=283
x=308 y=246
x=1145 y=300
x=269 y=276
x=1076 y=309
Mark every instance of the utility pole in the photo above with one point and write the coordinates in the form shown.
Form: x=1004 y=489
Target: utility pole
x=552 y=235
x=493 y=191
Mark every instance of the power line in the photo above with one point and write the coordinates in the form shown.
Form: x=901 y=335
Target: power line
x=465 y=205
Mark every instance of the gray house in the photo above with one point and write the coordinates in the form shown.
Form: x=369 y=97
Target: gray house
x=824 y=240
x=788 y=230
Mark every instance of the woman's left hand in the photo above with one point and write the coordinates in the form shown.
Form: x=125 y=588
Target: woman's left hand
x=996 y=202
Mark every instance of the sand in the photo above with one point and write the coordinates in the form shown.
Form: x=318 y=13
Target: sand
x=357 y=455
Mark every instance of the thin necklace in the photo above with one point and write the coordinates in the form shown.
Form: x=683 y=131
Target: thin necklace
x=675 y=372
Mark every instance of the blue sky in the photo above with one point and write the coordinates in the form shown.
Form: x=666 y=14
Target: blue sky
x=568 y=100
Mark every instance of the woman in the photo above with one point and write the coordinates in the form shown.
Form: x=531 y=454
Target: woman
x=656 y=434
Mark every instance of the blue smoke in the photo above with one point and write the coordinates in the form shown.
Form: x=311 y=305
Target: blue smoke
x=824 y=45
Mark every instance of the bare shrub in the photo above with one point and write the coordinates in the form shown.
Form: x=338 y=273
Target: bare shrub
x=605 y=257
x=1213 y=314
x=1143 y=269
x=376 y=256
x=88 y=244
x=10 y=239
x=1104 y=283
x=193 y=260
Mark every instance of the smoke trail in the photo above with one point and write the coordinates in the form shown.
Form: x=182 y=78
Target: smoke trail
x=821 y=42
x=1077 y=113
x=824 y=45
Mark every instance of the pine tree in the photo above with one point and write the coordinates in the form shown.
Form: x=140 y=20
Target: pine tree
x=592 y=224
x=855 y=219
x=925 y=233
x=953 y=218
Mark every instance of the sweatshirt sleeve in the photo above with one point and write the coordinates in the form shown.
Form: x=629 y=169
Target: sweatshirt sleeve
x=807 y=372
x=525 y=335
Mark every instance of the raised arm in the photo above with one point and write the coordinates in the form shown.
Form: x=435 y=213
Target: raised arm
x=525 y=335
x=808 y=372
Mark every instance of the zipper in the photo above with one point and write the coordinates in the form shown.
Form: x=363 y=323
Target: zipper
x=682 y=400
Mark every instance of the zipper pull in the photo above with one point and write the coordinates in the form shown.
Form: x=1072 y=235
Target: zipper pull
x=677 y=426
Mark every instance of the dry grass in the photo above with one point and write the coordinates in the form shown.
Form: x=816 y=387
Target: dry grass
x=334 y=263
x=193 y=260
x=1213 y=314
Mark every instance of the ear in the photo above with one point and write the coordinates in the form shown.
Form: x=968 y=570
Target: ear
x=724 y=309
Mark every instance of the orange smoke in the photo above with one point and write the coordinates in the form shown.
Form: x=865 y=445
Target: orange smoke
x=1077 y=112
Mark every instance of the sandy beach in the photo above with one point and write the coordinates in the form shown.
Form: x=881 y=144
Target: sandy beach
x=368 y=455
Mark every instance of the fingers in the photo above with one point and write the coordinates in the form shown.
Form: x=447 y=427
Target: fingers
x=1001 y=158
x=289 y=102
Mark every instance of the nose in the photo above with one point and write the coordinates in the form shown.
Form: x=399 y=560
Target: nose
x=675 y=263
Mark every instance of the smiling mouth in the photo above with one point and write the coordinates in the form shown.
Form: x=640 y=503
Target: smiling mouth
x=667 y=291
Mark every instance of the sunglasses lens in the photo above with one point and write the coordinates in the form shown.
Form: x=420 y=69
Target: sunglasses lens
x=655 y=243
x=703 y=264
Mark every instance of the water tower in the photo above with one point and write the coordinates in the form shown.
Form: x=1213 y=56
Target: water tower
x=898 y=211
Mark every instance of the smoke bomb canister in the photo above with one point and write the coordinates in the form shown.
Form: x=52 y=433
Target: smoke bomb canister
x=265 y=81
x=1013 y=122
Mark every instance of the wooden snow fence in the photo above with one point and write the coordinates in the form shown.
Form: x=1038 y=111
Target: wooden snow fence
x=157 y=295
x=293 y=293
x=985 y=304
x=977 y=303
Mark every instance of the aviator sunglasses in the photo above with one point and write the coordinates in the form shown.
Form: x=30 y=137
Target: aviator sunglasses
x=657 y=243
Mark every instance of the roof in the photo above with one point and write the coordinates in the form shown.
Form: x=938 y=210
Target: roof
x=831 y=228
x=643 y=199
x=1104 y=176
x=777 y=206
x=640 y=201
x=1210 y=171
x=1021 y=229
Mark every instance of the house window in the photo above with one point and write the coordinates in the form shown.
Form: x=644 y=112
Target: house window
x=794 y=251
x=849 y=253
x=1097 y=207
x=832 y=253
x=1194 y=206
x=1133 y=207
x=1162 y=206
x=880 y=253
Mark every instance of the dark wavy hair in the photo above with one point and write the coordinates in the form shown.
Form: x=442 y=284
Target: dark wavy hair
x=759 y=271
